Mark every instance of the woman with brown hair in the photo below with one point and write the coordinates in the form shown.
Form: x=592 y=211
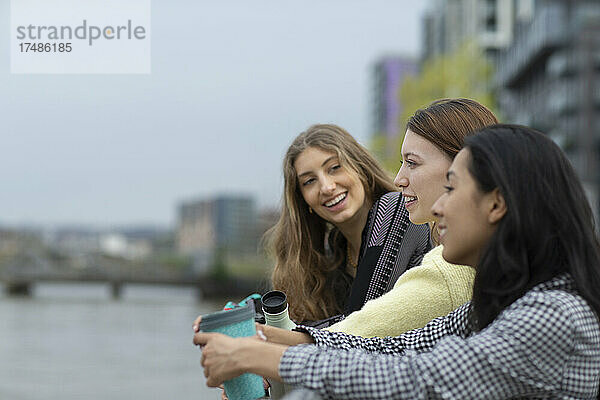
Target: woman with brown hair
x=514 y=209
x=434 y=136
x=343 y=235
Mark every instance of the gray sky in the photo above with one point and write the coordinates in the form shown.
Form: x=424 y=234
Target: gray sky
x=232 y=83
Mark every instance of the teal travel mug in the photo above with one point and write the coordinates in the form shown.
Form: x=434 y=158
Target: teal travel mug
x=238 y=322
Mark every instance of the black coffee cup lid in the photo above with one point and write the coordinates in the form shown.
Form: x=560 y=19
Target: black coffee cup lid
x=274 y=302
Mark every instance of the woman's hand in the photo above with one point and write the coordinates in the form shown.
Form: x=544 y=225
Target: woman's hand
x=221 y=356
x=224 y=358
x=196 y=324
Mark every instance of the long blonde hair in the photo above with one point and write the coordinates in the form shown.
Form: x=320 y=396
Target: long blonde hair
x=305 y=269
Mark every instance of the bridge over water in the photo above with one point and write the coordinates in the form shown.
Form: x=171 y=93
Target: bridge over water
x=20 y=273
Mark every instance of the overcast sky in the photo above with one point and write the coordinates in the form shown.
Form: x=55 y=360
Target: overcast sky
x=232 y=83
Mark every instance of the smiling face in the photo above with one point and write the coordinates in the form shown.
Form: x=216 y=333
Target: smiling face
x=334 y=192
x=422 y=176
x=467 y=216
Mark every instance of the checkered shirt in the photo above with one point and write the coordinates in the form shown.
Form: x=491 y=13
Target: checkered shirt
x=544 y=345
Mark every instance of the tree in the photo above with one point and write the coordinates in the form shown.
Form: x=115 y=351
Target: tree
x=465 y=72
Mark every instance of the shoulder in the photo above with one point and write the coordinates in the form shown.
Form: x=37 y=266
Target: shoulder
x=434 y=268
x=452 y=273
x=433 y=271
x=444 y=281
x=560 y=295
x=388 y=200
x=556 y=306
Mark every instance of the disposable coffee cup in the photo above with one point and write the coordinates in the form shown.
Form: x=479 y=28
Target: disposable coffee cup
x=238 y=322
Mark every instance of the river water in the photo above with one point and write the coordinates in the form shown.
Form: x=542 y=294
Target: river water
x=70 y=342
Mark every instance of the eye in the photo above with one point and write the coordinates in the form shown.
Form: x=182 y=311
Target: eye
x=308 y=181
x=448 y=188
x=335 y=167
x=410 y=163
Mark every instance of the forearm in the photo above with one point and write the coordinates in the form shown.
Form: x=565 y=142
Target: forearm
x=285 y=337
x=499 y=362
x=261 y=359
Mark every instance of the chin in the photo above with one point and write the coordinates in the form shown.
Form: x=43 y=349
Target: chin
x=417 y=221
x=449 y=257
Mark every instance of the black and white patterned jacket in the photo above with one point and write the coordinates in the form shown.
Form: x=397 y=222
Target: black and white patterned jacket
x=391 y=245
x=544 y=345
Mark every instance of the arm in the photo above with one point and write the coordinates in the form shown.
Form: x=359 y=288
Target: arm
x=523 y=353
x=422 y=339
x=420 y=295
x=224 y=358
x=283 y=336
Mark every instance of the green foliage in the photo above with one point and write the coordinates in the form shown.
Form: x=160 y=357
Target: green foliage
x=463 y=73
x=384 y=152
x=219 y=267
x=174 y=261
x=255 y=266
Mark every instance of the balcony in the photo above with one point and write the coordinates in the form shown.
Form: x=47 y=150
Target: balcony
x=564 y=96
x=547 y=31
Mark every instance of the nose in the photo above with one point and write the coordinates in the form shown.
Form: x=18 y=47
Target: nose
x=401 y=179
x=327 y=185
x=438 y=207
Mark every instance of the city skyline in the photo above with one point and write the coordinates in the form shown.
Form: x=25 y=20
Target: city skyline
x=231 y=85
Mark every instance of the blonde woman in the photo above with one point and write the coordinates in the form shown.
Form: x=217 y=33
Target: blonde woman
x=343 y=235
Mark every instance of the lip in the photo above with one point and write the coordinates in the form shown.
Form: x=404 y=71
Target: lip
x=339 y=205
x=410 y=203
x=442 y=230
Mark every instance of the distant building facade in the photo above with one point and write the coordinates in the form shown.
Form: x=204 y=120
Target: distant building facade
x=221 y=224
x=388 y=75
x=449 y=23
x=549 y=79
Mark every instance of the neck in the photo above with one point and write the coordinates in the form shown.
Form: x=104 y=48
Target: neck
x=433 y=233
x=352 y=229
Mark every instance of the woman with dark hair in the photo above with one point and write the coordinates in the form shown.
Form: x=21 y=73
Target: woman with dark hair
x=516 y=211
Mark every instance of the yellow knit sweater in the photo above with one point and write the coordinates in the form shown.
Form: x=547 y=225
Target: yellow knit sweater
x=421 y=294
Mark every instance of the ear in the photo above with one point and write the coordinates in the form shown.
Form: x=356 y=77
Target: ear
x=497 y=206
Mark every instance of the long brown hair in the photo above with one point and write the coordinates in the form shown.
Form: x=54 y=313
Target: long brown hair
x=446 y=123
x=305 y=269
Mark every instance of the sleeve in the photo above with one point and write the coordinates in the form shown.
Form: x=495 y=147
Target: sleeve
x=422 y=339
x=420 y=295
x=499 y=362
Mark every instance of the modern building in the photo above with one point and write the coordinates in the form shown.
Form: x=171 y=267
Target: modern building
x=388 y=75
x=224 y=224
x=449 y=23
x=549 y=79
